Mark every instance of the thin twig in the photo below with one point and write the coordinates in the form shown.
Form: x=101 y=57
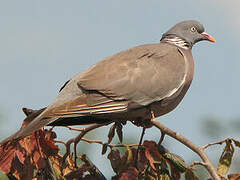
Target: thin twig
x=109 y=145
x=195 y=163
x=75 y=129
x=218 y=143
x=83 y=132
x=199 y=150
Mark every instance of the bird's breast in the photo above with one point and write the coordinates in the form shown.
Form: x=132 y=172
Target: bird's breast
x=170 y=103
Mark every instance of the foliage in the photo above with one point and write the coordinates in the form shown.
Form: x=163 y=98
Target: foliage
x=37 y=157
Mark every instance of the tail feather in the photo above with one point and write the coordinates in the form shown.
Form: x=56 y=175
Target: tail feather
x=36 y=123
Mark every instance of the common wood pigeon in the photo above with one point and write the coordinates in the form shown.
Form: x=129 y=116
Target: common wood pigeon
x=127 y=85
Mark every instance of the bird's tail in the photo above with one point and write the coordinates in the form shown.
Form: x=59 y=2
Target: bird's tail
x=29 y=127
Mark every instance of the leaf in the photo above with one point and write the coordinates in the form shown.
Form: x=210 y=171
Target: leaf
x=104 y=148
x=237 y=143
x=92 y=169
x=164 y=177
x=142 y=162
x=115 y=159
x=189 y=175
x=175 y=173
x=74 y=174
x=130 y=155
x=111 y=133
x=151 y=153
x=176 y=161
x=6 y=158
x=130 y=174
x=234 y=176
x=119 y=131
x=20 y=159
x=128 y=159
x=225 y=159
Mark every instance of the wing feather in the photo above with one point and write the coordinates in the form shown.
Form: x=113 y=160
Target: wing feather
x=141 y=75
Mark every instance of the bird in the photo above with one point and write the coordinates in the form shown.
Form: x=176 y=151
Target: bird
x=128 y=85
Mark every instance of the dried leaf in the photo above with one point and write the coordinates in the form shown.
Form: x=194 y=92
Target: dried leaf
x=175 y=173
x=130 y=155
x=151 y=153
x=119 y=132
x=130 y=174
x=76 y=174
x=93 y=170
x=6 y=159
x=237 y=143
x=142 y=162
x=225 y=159
x=21 y=158
x=164 y=177
x=47 y=144
x=234 y=176
x=70 y=161
x=189 y=175
x=111 y=133
x=115 y=159
x=104 y=148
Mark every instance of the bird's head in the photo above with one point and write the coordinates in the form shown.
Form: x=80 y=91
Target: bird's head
x=190 y=32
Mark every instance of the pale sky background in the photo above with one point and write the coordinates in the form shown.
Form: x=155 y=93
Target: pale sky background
x=44 y=43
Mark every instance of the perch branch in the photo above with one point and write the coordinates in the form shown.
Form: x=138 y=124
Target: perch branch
x=199 y=150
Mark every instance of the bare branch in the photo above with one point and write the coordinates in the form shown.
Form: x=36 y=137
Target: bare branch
x=75 y=129
x=109 y=145
x=195 y=163
x=199 y=150
x=218 y=143
x=83 y=132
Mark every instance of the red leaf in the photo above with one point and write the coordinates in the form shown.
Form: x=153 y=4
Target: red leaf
x=130 y=174
x=6 y=158
x=15 y=157
x=115 y=159
x=234 y=176
x=152 y=153
x=142 y=160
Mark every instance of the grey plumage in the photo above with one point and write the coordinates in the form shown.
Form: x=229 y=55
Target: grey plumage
x=127 y=85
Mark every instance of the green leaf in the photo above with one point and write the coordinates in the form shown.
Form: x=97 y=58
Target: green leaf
x=176 y=160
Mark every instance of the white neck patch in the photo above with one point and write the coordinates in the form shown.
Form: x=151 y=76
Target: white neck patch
x=177 y=42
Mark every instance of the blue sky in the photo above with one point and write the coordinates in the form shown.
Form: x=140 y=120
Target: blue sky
x=44 y=43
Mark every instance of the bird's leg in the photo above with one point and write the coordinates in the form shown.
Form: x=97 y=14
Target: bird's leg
x=140 y=143
x=162 y=133
x=161 y=139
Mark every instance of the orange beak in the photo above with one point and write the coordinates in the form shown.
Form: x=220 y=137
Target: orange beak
x=208 y=37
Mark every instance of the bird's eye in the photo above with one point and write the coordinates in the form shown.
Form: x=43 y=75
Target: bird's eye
x=193 y=29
